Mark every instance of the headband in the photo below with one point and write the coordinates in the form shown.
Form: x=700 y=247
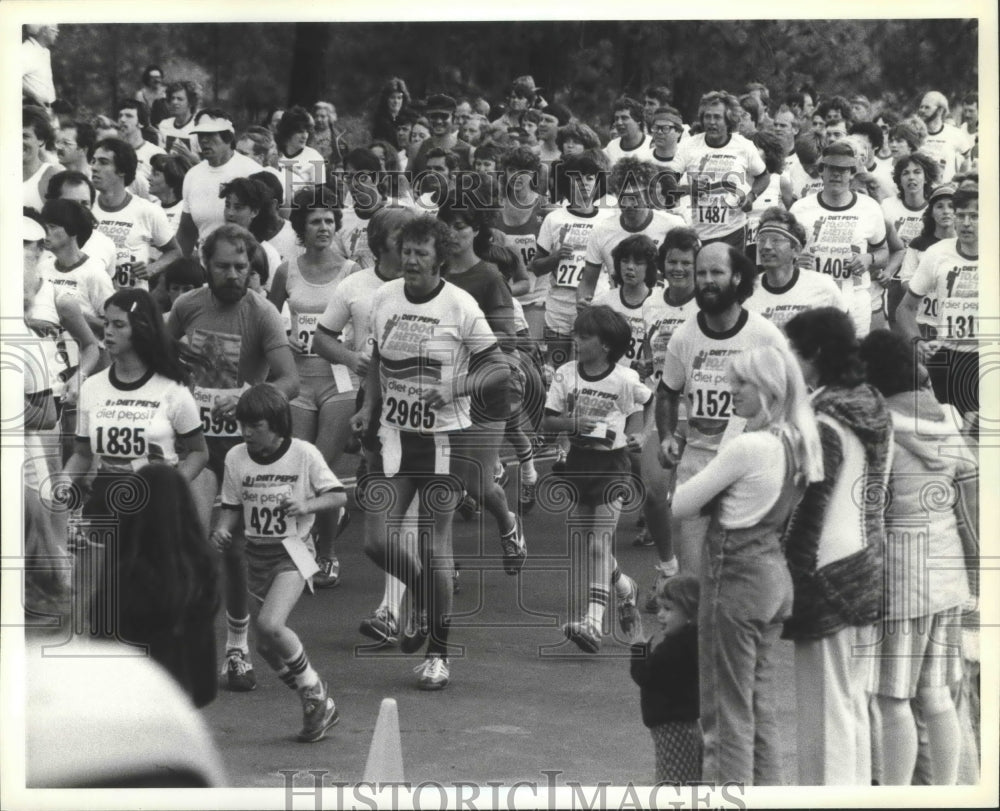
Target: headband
x=778 y=228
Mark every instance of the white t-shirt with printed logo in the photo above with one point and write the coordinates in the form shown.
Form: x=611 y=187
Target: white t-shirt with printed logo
x=696 y=363
x=807 y=290
x=129 y=425
x=610 y=399
x=609 y=232
x=663 y=319
x=948 y=147
x=908 y=222
x=834 y=235
x=87 y=282
x=564 y=227
x=259 y=487
x=134 y=228
x=634 y=314
x=720 y=178
x=953 y=278
x=426 y=342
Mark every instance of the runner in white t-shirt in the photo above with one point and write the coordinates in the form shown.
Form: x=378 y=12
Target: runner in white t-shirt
x=951 y=269
x=133 y=224
x=845 y=233
x=562 y=251
x=343 y=336
x=695 y=366
x=203 y=210
x=628 y=123
x=432 y=348
x=76 y=186
x=724 y=171
x=784 y=289
x=67 y=267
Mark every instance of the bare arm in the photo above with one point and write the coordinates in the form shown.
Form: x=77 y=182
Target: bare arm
x=285 y=375
x=588 y=283
x=187 y=234
x=196 y=456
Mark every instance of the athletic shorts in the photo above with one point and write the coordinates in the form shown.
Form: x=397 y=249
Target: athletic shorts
x=113 y=493
x=218 y=447
x=265 y=561
x=315 y=392
x=596 y=476
x=919 y=652
x=409 y=453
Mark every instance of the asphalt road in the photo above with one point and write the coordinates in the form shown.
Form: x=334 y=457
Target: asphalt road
x=522 y=701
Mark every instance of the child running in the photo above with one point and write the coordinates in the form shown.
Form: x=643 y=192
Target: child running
x=666 y=669
x=751 y=487
x=599 y=403
x=275 y=484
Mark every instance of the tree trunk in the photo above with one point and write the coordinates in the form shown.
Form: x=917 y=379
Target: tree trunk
x=308 y=77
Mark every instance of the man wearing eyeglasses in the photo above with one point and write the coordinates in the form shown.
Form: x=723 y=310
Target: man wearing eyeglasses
x=666 y=128
x=444 y=134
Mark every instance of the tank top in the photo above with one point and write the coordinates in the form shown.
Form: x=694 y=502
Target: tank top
x=523 y=238
x=32 y=197
x=306 y=303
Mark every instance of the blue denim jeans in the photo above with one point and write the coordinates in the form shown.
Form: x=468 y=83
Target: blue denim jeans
x=744 y=600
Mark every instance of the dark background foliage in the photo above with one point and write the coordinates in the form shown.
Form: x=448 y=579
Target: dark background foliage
x=251 y=67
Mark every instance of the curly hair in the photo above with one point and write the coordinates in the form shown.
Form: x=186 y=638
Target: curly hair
x=631 y=175
x=424 y=228
x=733 y=110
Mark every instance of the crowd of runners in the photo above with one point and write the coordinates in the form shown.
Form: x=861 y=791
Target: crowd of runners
x=757 y=317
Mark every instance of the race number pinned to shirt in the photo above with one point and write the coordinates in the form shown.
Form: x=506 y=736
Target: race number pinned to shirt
x=213 y=425
x=959 y=309
x=305 y=329
x=570 y=271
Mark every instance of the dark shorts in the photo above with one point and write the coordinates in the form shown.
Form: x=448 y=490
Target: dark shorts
x=596 y=476
x=218 y=447
x=265 y=561
x=114 y=493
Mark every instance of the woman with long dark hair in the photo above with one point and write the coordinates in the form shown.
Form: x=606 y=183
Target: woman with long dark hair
x=393 y=99
x=137 y=411
x=159 y=584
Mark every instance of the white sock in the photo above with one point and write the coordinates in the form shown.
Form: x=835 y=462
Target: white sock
x=528 y=473
x=236 y=633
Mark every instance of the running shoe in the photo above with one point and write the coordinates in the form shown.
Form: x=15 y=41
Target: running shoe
x=416 y=631
x=643 y=539
x=468 y=507
x=239 y=672
x=628 y=615
x=319 y=713
x=526 y=499
x=515 y=550
x=433 y=673
x=381 y=626
x=559 y=463
x=585 y=635
x=328 y=575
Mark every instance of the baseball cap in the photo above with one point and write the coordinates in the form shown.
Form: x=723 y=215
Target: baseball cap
x=439 y=101
x=839 y=153
x=940 y=192
x=207 y=124
x=31 y=230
